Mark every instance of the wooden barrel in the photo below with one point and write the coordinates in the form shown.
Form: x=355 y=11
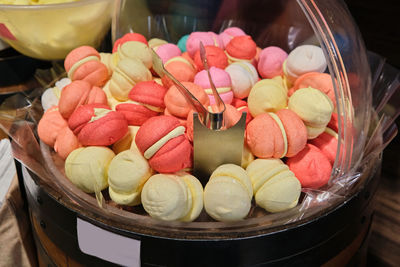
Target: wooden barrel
x=336 y=238
x=48 y=253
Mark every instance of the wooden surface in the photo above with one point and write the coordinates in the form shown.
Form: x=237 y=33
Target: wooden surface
x=384 y=248
x=49 y=254
x=384 y=243
x=378 y=22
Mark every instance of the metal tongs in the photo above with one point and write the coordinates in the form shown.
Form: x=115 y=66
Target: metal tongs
x=212 y=144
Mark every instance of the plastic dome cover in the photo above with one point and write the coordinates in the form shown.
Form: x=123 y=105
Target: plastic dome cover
x=286 y=24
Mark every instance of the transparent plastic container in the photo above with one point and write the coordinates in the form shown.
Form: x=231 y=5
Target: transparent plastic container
x=286 y=24
x=289 y=24
x=51 y=31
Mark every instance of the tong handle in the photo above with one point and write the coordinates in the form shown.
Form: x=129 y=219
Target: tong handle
x=159 y=68
x=216 y=118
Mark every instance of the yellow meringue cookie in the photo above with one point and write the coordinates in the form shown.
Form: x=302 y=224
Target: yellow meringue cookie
x=173 y=197
x=114 y=60
x=127 y=173
x=235 y=172
x=282 y=82
x=154 y=42
x=127 y=73
x=136 y=50
x=247 y=156
x=313 y=107
x=288 y=80
x=228 y=193
x=158 y=80
x=111 y=101
x=127 y=142
x=275 y=187
x=314 y=132
x=196 y=194
x=261 y=170
x=267 y=95
x=280 y=193
x=86 y=167
x=106 y=59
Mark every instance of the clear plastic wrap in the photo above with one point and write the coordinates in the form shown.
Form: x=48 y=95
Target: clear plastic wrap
x=42 y=160
x=301 y=22
x=290 y=24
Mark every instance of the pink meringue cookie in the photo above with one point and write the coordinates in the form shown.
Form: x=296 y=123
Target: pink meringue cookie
x=227 y=35
x=167 y=51
x=271 y=61
x=222 y=82
x=50 y=125
x=207 y=38
x=327 y=142
x=66 y=142
x=241 y=48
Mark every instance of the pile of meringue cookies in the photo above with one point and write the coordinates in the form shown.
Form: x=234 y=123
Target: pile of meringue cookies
x=120 y=126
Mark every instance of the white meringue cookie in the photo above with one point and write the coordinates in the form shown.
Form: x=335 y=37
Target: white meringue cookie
x=303 y=59
x=51 y=96
x=62 y=83
x=243 y=76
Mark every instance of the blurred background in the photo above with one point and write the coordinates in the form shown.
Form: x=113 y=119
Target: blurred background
x=379 y=25
x=378 y=22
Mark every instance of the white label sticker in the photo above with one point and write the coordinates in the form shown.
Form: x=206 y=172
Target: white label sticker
x=106 y=245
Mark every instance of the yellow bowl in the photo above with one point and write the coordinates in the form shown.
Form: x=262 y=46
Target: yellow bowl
x=50 y=32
